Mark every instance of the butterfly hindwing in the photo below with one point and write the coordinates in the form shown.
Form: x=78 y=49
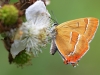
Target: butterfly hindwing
x=73 y=37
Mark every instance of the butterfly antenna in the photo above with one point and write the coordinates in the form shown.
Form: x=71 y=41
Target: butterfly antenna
x=55 y=19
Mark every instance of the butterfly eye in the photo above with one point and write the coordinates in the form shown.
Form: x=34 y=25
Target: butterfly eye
x=54 y=24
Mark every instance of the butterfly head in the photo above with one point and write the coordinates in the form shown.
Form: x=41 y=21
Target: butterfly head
x=53 y=30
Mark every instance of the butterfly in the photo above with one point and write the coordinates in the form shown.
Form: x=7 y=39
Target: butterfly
x=71 y=39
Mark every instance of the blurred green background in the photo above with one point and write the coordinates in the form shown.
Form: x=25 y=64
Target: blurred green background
x=46 y=64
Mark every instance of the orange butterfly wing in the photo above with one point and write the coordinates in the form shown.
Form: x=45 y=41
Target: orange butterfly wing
x=73 y=37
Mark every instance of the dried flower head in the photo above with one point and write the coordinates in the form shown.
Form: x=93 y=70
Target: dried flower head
x=3 y=2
